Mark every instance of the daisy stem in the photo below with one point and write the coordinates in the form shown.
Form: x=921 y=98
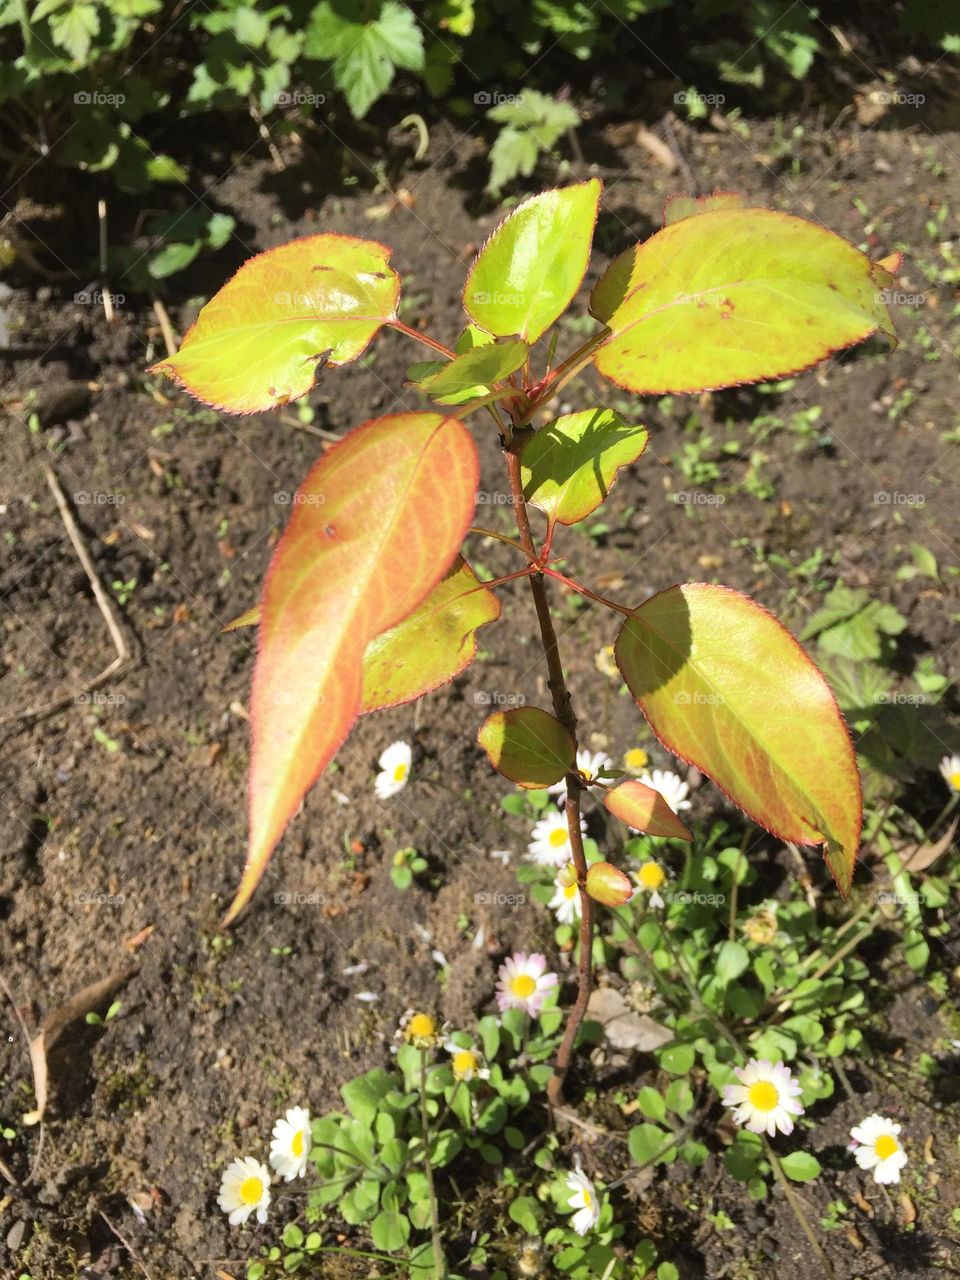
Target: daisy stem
x=793 y=1200
x=563 y=708
x=438 y=1263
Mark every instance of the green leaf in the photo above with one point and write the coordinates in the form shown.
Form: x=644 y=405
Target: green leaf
x=533 y=123
x=676 y=1058
x=526 y=274
x=729 y=689
x=75 y=28
x=474 y=373
x=800 y=1166
x=172 y=258
x=528 y=746
x=733 y=958
x=851 y=625
x=651 y=1103
x=365 y=54
x=364 y=1094
x=679 y=1097
x=434 y=644
x=390 y=1230
x=734 y=296
x=676 y=208
x=525 y=1212
x=645 y=1142
x=569 y=466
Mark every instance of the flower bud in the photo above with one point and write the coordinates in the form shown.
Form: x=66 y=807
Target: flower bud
x=609 y=885
x=567 y=876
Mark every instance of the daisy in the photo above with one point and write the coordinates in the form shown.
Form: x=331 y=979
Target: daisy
x=583 y=1198
x=765 y=1100
x=245 y=1189
x=419 y=1029
x=589 y=764
x=290 y=1145
x=467 y=1063
x=394 y=770
x=950 y=770
x=635 y=761
x=651 y=878
x=565 y=902
x=670 y=785
x=522 y=983
x=550 y=842
x=877 y=1147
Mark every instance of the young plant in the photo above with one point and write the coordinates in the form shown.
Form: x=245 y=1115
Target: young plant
x=370 y=600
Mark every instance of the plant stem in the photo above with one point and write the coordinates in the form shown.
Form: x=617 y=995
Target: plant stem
x=438 y=1263
x=793 y=1200
x=422 y=337
x=585 y=591
x=563 y=708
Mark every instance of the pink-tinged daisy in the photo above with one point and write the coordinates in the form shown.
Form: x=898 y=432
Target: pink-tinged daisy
x=523 y=982
x=878 y=1148
x=245 y=1189
x=765 y=1100
x=550 y=842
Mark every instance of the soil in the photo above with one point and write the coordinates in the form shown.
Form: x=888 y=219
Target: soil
x=125 y=811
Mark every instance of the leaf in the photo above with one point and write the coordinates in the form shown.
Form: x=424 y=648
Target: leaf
x=434 y=644
x=74 y=29
x=676 y=208
x=851 y=625
x=733 y=959
x=800 y=1166
x=569 y=466
x=259 y=342
x=474 y=373
x=750 y=293
x=375 y=526
x=532 y=123
x=644 y=809
x=528 y=746
x=365 y=54
x=728 y=688
x=528 y=271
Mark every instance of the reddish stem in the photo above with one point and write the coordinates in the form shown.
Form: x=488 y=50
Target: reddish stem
x=422 y=337
x=585 y=591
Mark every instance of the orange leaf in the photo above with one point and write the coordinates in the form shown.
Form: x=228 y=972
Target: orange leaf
x=644 y=809
x=263 y=338
x=375 y=526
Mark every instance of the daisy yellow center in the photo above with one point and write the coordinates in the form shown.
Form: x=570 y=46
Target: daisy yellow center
x=558 y=836
x=954 y=780
x=421 y=1025
x=523 y=986
x=635 y=758
x=763 y=1095
x=296 y=1145
x=587 y=1199
x=652 y=875
x=464 y=1063
x=570 y=891
x=400 y=773
x=886 y=1146
x=251 y=1190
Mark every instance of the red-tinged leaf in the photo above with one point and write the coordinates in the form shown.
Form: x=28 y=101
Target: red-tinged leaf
x=288 y=312
x=727 y=688
x=734 y=296
x=249 y=619
x=375 y=526
x=676 y=208
x=436 y=642
x=644 y=809
x=528 y=746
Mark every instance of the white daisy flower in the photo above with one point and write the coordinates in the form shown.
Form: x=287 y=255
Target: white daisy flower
x=419 y=1029
x=550 y=842
x=635 y=761
x=290 y=1144
x=589 y=763
x=670 y=785
x=565 y=902
x=583 y=1198
x=394 y=770
x=950 y=771
x=765 y=1100
x=878 y=1148
x=245 y=1189
x=467 y=1063
x=650 y=877
x=523 y=982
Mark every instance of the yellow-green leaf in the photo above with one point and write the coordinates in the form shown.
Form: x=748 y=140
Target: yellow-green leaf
x=526 y=274
x=676 y=208
x=434 y=644
x=733 y=296
x=474 y=373
x=263 y=338
x=528 y=746
x=729 y=689
x=568 y=467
